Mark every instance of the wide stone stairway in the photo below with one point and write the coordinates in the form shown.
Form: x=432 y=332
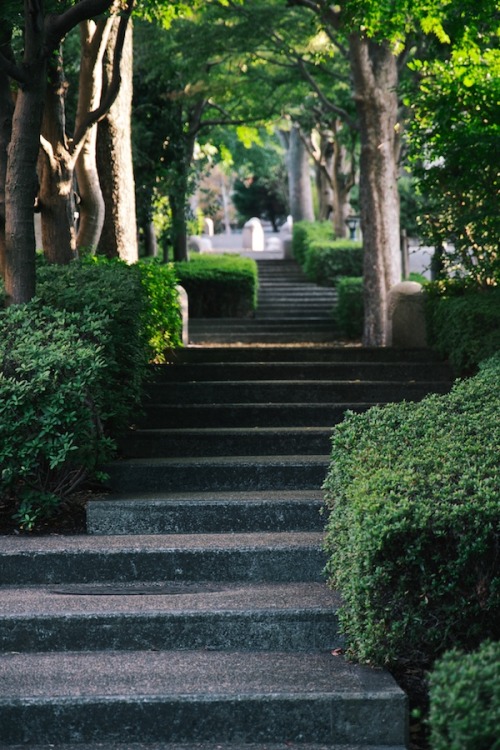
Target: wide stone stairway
x=194 y=613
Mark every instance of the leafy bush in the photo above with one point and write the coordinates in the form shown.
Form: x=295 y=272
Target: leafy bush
x=465 y=700
x=162 y=316
x=306 y=232
x=413 y=534
x=113 y=290
x=219 y=286
x=350 y=306
x=53 y=383
x=463 y=322
x=327 y=261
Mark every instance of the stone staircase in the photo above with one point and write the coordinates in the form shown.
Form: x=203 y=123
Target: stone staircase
x=194 y=614
x=289 y=309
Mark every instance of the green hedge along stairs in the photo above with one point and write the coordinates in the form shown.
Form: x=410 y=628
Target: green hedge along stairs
x=194 y=613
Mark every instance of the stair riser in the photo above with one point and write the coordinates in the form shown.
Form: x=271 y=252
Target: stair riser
x=302 y=354
x=191 y=477
x=264 y=565
x=250 y=415
x=252 y=631
x=290 y=392
x=178 y=445
x=342 y=720
x=264 y=338
x=157 y=517
x=300 y=371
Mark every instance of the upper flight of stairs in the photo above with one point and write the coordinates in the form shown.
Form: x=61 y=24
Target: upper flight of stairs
x=289 y=309
x=194 y=613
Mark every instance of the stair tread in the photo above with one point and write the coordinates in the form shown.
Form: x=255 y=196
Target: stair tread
x=84 y=677
x=170 y=597
x=206 y=746
x=214 y=497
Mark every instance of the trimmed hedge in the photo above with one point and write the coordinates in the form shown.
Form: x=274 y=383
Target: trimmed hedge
x=162 y=315
x=465 y=700
x=306 y=232
x=53 y=402
x=463 y=322
x=327 y=261
x=350 y=309
x=219 y=286
x=414 y=529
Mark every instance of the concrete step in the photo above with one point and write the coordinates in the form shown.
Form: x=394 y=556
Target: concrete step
x=206 y=512
x=284 y=414
x=169 y=615
x=271 y=557
x=293 y=391
x=197 y=696
x=307 y=336
x=311 y=371
x=207 y=746
x=218 y=474
x=218 y=441
x=290 y=353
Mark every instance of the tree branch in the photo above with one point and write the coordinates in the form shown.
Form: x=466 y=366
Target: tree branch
x=12 y=70
x=57 y=26
x=340 y=111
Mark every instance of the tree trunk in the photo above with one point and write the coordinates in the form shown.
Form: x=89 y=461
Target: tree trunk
x=6 y=112
x=56 y=168
x=299 y=178
x=324 y=171
x=150 y=242
x=91 y=207
x=375 y=79
x=114 y=159
x=179 y=226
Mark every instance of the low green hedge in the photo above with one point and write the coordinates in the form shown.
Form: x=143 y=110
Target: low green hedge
x=413 y=533
x=350 y=308
x=219 y=286
x=465 y=700
x=327 y=261
x=463 y=322
x=306 y=232
x=53 y=403
x=162 y=315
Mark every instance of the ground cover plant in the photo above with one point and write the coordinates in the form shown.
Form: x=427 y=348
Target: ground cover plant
x=219 y=286
x=414 y=523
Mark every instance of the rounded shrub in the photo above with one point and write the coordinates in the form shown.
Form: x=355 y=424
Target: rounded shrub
x=327 y=261
x=53 y=381
x=306 y=232
x=350 y=310
x=465 y=700
x=413 y=493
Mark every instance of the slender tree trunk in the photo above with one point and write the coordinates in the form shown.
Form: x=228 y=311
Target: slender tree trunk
x=150 y=241
x=299 y=178
x=179 y=227
x=56 y=169
x=6 y=112
x=324 y=171
x=375 y=78
x=93 y=39
x=114 y=159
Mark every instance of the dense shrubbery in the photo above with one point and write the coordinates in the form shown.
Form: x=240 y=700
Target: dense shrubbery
x=219 y=286
x=306 y=232
x=326 y=262
x=162 y=316
x=464 y=322
x=53 y=403
x=350 y=309
x=465 y=700
x=413 y=533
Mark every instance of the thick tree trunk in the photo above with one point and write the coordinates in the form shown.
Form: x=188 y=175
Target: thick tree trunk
x=150 y=241
x=56 y=168
x=299 y=178
x=6 y=112
x=93 y=39
x=114 y=159
x=375 y=79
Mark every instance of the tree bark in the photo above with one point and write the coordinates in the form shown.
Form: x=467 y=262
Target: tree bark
x=114 y=159
x=375 y=77
x=6 y=113
x=299 y=178
x=93 y=39
x=56 y=167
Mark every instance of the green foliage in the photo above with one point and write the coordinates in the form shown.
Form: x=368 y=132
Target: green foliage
x=162 y=316
x=350 y=309
x=53 y=402
x=413 y=493
x=465 y=700
x=113 y=290
x=306 y=232
x=219 y=286
x=463 y=322
x=327 y=261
